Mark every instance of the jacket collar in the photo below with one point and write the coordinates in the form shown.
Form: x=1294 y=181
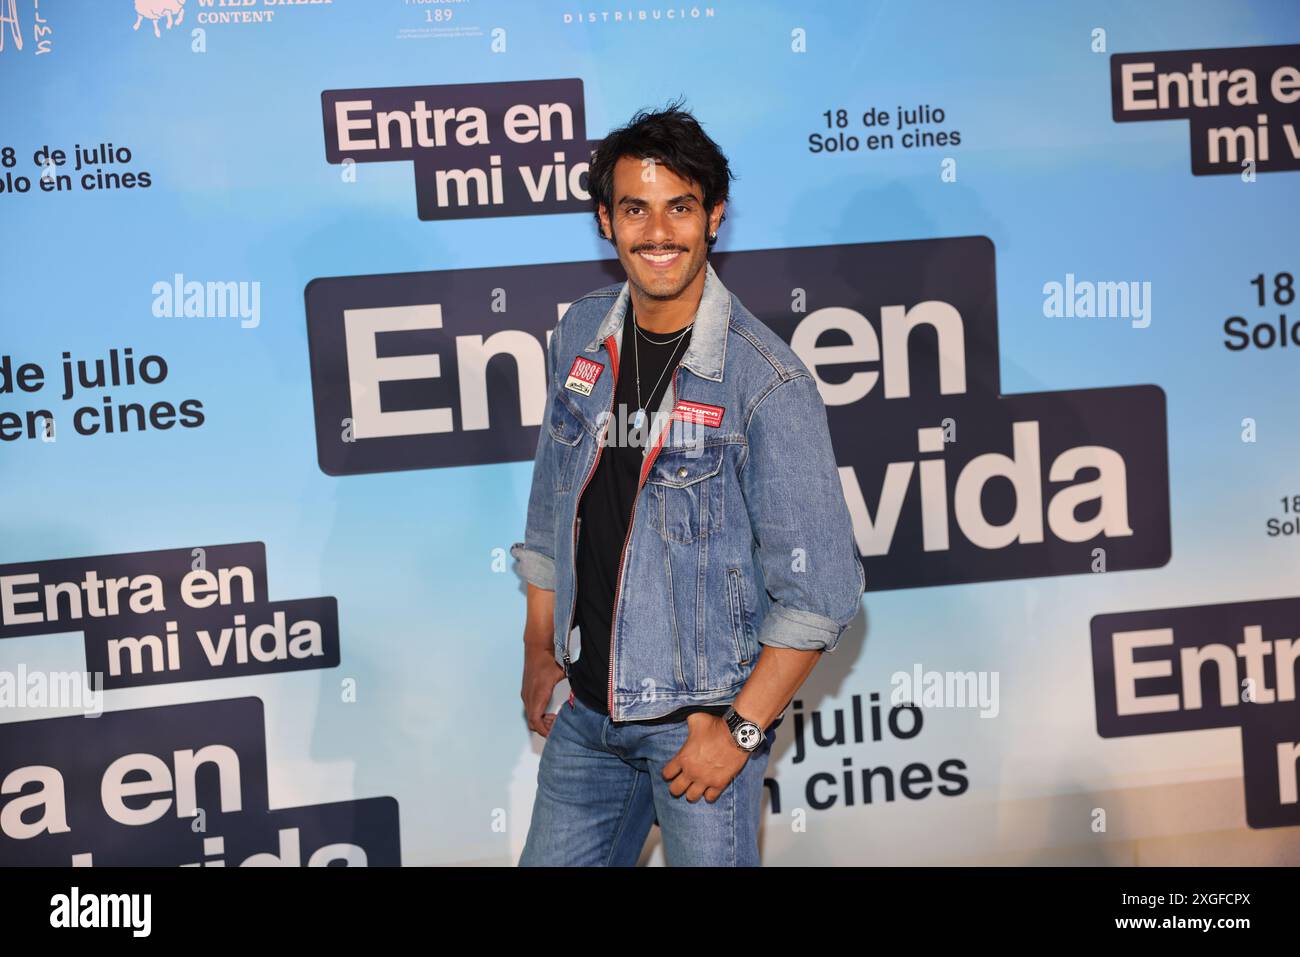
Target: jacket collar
x=706 y=353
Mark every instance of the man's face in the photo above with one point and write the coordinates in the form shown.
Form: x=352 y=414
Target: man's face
x=658 y=224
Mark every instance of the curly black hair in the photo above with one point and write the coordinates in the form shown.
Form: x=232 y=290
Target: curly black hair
x=671 y=136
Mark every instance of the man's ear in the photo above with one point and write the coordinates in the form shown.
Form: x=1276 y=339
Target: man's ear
x=715 y=216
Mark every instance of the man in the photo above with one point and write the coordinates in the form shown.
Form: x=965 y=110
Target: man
x=688 y=550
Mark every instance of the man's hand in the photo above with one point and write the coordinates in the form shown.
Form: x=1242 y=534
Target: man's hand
x=707 y=762
x=541 y=671
x=541 y=675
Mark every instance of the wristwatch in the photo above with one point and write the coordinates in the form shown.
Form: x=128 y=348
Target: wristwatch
x=748 y=735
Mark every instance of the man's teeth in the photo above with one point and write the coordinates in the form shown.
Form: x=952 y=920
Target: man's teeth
x=661 y=257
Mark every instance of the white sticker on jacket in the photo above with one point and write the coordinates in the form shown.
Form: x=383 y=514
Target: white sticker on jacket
x=583 y=375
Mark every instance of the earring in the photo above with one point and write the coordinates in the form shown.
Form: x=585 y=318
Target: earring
x=713 y=235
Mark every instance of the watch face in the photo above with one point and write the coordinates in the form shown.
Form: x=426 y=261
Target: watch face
x=749 y=735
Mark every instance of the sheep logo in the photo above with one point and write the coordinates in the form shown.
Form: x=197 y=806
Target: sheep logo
x=156 y=9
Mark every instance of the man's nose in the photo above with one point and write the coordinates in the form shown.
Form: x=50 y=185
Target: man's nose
x=660 y=228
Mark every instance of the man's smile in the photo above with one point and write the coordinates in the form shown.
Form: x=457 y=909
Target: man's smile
x=660 y=260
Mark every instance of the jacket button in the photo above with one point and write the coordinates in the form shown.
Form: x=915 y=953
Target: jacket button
x=683 y=472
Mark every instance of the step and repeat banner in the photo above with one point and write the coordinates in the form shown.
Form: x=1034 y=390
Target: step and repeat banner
x=277 y=280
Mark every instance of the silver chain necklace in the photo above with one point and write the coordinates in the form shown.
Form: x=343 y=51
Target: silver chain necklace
x=638 y=419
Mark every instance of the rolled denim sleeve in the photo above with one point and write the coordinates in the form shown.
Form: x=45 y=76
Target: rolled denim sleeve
x=806 y=548
x=536 y=553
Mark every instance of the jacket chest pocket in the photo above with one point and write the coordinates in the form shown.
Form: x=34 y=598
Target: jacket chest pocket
x=686 y=484
x=566 y=431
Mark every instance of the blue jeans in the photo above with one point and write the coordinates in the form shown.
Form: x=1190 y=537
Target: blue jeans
x=600 y=788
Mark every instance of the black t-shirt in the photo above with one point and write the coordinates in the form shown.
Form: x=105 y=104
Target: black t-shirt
x=606 y=509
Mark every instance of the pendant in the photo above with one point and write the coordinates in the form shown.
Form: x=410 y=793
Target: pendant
x=638 y=418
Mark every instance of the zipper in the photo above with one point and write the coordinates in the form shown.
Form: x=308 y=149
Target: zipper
x=618 y=582
x=577 y=519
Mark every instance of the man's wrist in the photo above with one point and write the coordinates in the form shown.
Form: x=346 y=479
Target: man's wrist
x=745 y=733
x=751 y=712
x=721 y=721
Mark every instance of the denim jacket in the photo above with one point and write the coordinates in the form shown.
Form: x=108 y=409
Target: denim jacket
x=739 y=536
